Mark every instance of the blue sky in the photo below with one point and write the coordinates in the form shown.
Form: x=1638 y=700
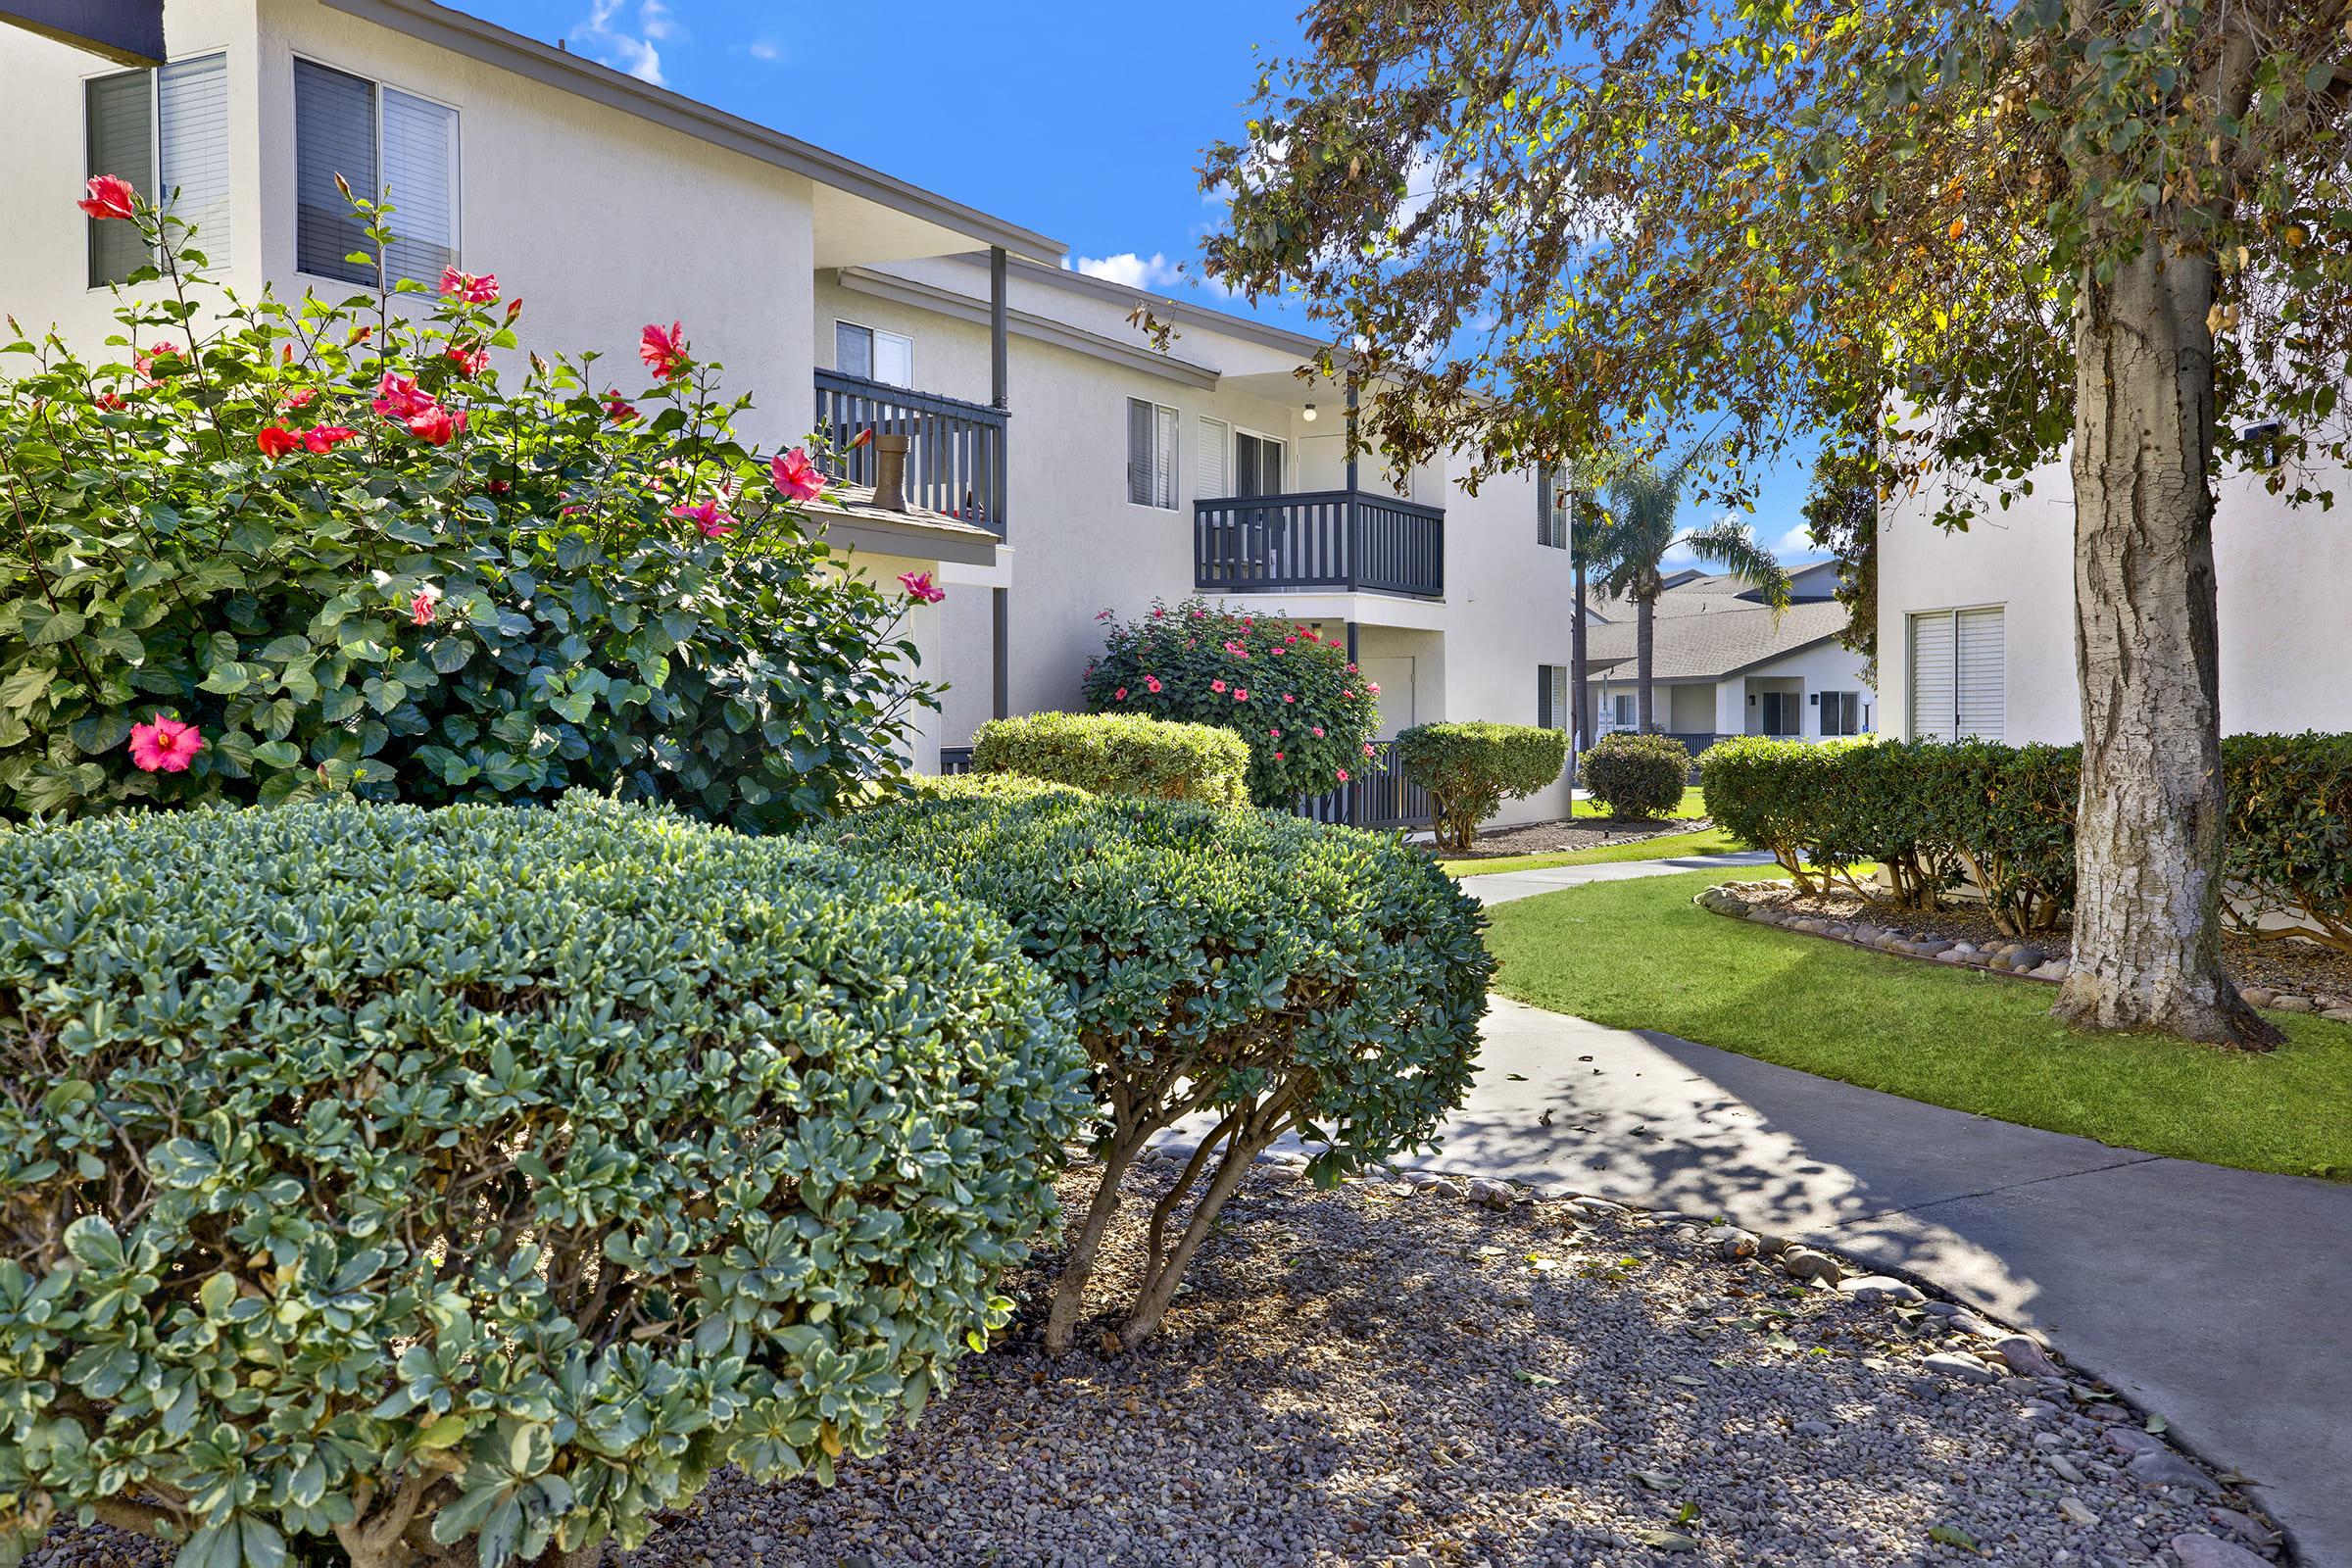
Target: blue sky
x=1084 y=122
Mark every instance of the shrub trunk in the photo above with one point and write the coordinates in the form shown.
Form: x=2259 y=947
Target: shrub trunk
x=2148 y=837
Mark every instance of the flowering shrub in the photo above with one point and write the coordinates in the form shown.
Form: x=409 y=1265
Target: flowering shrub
x=1307 y=714
x=1276 y=974
x=1119 y=754
x=394 y=1187
x=272 y=549
x=1470 y=769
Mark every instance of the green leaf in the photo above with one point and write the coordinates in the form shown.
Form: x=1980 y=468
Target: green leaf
x=43 y=625
x=1953 y=1535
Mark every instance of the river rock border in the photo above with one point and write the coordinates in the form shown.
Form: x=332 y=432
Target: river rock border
x=2024 y=959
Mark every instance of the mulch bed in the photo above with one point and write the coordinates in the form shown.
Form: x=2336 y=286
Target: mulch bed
x=2282 y=966
x=1579 y=833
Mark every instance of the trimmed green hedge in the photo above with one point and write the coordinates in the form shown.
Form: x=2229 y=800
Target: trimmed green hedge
x=518 y=1167
x=2290 y=829
x=1636 y=775
x=1470 y=769
x=1268 y=973
x=1119 y=754
x=1929 y=812
x=977 y=787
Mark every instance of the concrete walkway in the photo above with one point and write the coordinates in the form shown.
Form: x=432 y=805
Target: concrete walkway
x=1505 y=886
x=2216 y=1297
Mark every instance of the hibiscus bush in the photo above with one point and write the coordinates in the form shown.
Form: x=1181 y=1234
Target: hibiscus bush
x=1307 y=714
x=410 y=1188
x=265 y=549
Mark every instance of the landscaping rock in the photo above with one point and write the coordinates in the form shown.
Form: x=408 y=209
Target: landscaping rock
x=1731 y=1241
x=2164 y=1468
x=2075 y=1513
x=2133 y=1442
x=2055 y=969
x=1879 y=1288
x=2021 y=1355
x=2245 y=1525
x=1959 y=1364
x=2339 y=1014
x=2292 y=1004
x=2256 y=996
x=2211 y=1551
x=1493 y=1193
x=1804 y=1263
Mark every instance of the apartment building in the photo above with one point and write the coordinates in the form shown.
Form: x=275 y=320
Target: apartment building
x=1061 y=463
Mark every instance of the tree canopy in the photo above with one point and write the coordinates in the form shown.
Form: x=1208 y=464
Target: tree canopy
x=1541 y=229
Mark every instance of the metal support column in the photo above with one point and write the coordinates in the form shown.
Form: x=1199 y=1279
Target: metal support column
x=998 y=393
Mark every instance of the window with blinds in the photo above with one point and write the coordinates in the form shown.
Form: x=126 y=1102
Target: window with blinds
x=166 y=132
x=384 y=143
x=1551 y=512
x=875 y=355
x=1215 y=438
x=1151 y=455
x=1552 y=697
x=1959 y=674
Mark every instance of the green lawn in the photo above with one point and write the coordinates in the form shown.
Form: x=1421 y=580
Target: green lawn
x=1692 y=806
x=1666 y=846
x=1641 y=956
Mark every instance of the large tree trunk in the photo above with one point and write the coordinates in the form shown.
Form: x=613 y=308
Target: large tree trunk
x=2148 y=824
x=1645 y=644
x=1579 y=701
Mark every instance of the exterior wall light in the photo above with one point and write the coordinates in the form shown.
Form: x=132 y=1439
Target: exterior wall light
x=1310 y=413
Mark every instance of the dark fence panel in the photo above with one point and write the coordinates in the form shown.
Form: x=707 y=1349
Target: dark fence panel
x=955 y=461
x=1376 y=795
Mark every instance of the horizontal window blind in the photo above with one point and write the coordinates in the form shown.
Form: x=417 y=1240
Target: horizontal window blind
x=419 y=169
x=1209 y=464
x=334 y=134
x=1551 y=696
x=1934 y=693
x=119 y=128
x=1139 y=451
x=1981 y=661
x=192 y=149
x=853 y=350
x=1551 y=517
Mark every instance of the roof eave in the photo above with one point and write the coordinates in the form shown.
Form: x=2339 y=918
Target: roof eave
x=494 y=45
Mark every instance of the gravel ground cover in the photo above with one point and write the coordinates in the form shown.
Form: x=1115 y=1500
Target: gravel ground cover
x=1402 y=1375
x=1443 y=1374
x=1579 y=833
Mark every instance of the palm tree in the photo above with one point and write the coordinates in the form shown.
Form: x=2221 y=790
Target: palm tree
x=1637 y=531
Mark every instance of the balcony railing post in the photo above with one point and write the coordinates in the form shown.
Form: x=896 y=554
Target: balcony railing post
x=1353 y=570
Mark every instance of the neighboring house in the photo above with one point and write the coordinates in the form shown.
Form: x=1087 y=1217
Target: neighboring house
x=1723 y=662
x=1061 y=463
x=1976 y=629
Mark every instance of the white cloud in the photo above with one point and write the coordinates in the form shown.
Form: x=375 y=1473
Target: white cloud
x=1796 y=544
x=1155 y=270
x=609 y=35
x=764 y=49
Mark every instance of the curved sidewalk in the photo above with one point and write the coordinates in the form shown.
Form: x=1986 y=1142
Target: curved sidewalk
x=2216 y=1297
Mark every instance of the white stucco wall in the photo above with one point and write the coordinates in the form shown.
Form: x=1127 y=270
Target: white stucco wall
x=2285 y=575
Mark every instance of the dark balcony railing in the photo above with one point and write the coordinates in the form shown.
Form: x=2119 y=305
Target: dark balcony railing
x=1341 y=540
x=955 y=461
x=1376 y=795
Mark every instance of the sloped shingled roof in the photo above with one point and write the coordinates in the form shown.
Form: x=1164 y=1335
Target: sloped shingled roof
x=1696 y=644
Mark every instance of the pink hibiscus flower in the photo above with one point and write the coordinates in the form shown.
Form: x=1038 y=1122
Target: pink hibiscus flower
x=456 y=285
x=326 y=437
x=166 y=746
x=435 y=425
x=422 y=604
x=920 y=588
x=711 y=518
x=795 y=478
x=109 y=197
x=1217 y=686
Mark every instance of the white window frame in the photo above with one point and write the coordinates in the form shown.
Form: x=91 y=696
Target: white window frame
x=1164 y=416
x=874 y=346
x=1952 y=613
x=1233 y=454
x=457 y=163
x=218 y=247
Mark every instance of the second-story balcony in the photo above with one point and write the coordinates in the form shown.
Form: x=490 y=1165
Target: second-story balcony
x=1321 y=541
x=956 y=451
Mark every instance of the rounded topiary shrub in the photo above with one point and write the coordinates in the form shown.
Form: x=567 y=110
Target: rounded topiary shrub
x=1119 y=754
x=1636 y=775
x=1275 y=974
x=475 y=1181
x=1306 y=713
x=1470 y=769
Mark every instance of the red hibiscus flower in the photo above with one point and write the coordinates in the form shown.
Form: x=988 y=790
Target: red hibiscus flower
x=665 y=353
x=299 y=398
x=619 y=409
x=109 y=197
x=398 y=396
x=436 y=425
x=471 y=362
x=275 y=441
x=326 y=437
